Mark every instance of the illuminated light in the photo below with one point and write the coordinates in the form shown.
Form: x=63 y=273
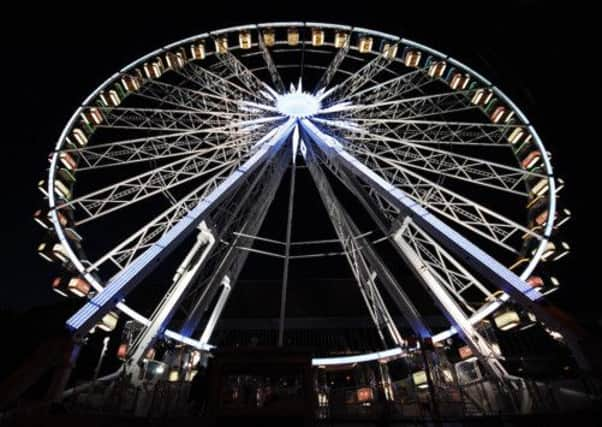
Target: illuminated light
x=108 y=322
x=507 y=320
x=298 y=104
x=122 y=351
x=364 y=394
x=174 y=376
x=419 y=379
x=358 y=358
x=465 y=352
x=535 y=282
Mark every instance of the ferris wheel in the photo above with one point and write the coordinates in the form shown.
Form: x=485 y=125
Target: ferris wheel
x=194 y=138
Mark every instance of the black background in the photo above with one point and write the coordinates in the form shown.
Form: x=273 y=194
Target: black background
x=545 y=57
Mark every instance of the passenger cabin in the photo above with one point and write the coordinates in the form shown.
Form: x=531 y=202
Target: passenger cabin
x=517 y=134
x=79 y=137
x=420 y=380
x=389 y=50
x=152 y=70
x=59 y=285
x=173 y=61
x=501 y=114
x=411 y=58
x=554 y=253
x=269 y=37
x=60 y=189
x=221 y=45
x=535 y=282
x=72 y=286
x=437 y=69
x=68 y=160
x=317 y=37
x=42 y=217
x=365 y=44
x=197 y=50
x=540 y=188
x=482 y=97
x=292 y=36
x=459 y=81
x=92 y=116
x=79 y=287
x=532 y=160
x=53 y=252
x=244 y=39
x=465 y=352
x=340 y=39
x=130 y=83
x=110 y=98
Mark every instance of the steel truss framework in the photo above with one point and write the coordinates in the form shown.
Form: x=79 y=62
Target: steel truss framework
x=214 y=135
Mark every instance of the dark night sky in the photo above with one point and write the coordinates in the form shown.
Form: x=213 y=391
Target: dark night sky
x=542 y=56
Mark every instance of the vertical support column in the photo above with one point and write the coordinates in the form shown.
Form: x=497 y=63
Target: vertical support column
x=491 y=269
x=217 y=310
x=126 y=280
x=289 y=228
x=451 y=309
x=185 y=274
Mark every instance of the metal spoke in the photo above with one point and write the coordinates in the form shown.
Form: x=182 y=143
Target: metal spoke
x=212 y=82
x=394 y=88
x=169 y=120
x=127 y=192
x=402 y=153
x=333 y=67
x=459 y=209
x=269 y=62
x=443 y=266
x=439 y=132
x=186 y=98
x=412 y=108
x=358 y=79
x=243 y=74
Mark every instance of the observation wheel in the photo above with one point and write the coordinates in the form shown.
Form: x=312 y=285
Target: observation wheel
x=193 y=139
